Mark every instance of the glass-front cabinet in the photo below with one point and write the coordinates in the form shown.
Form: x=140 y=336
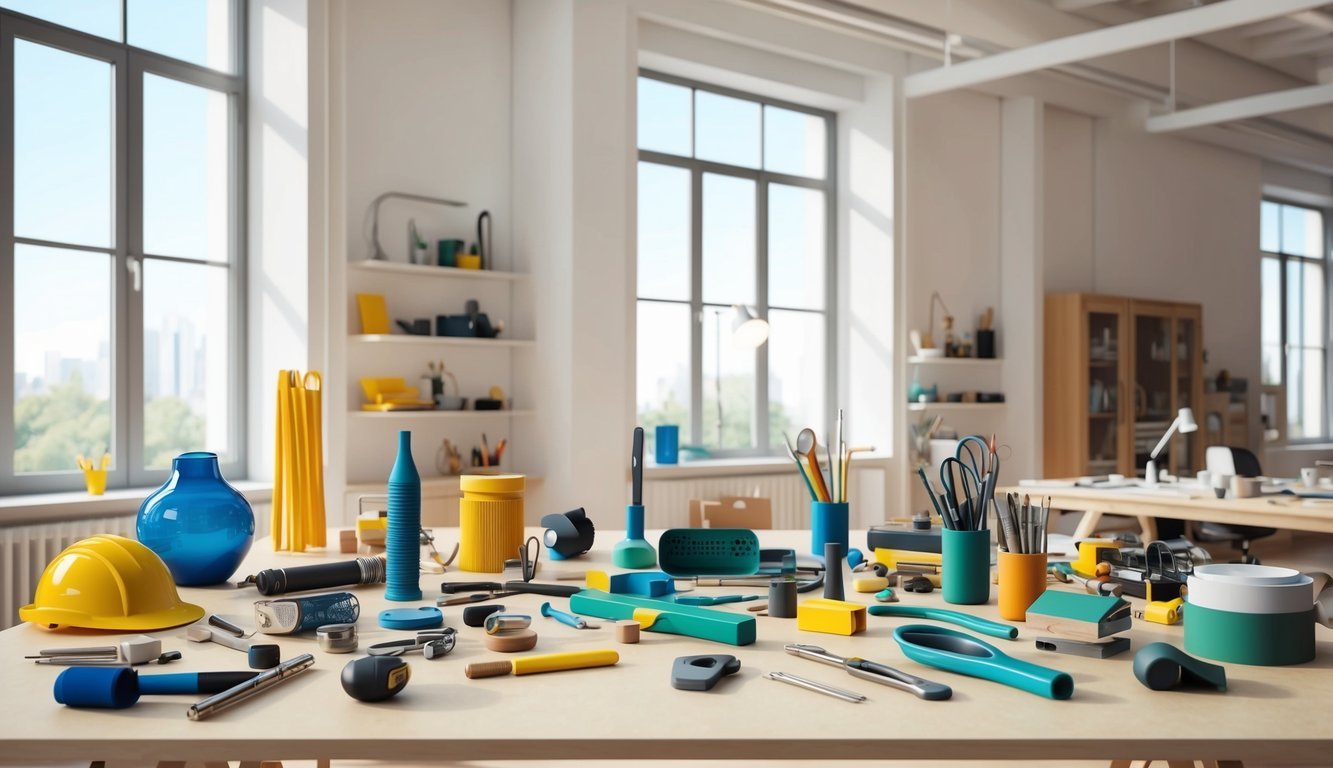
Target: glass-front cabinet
x=1117 y=371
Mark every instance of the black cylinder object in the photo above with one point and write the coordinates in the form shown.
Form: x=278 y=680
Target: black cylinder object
x=986 y=344
x=279 y=581
x=833 y=571
x=375 y=678
x=782 y=598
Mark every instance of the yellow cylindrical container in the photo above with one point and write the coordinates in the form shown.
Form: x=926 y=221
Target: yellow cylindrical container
x=490 y=521
x=1022 y=580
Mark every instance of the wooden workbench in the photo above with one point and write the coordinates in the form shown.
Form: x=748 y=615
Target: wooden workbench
x=631 y=712
x=1271 y=511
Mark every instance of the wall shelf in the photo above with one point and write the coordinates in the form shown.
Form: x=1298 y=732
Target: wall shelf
x=446 y=415
x=426 y=270
x=955 y=361
x=955 y=407
x=447 y=341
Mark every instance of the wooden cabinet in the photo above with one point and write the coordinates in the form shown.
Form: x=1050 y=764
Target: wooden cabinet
x=1117 y=371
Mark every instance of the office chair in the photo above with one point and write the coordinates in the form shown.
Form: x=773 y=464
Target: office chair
x=1242 y=462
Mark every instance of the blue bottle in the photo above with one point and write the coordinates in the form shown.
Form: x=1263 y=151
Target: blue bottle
x=403 y=539
x=199 y=525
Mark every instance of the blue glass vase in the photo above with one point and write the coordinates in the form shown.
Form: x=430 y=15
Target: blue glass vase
x=201 y=527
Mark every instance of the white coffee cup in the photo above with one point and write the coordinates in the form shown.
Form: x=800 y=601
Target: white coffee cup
x=1204 y=479
x=1309 y=476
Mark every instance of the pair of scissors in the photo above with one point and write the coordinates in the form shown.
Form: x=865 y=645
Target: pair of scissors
x=969 y=482
x=433 y=644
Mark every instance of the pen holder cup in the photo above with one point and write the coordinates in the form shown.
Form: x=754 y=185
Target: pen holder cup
x=965 y=559
x=828 y=524
x=1022 y=580
x=95 y=479
x=490 y=521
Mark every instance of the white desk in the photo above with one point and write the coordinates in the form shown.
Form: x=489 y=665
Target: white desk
x=631 y=712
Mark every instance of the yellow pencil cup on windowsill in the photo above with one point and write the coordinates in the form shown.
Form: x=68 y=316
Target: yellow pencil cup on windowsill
x=95 y=480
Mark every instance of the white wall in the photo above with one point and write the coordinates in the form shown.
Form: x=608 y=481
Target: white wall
x=1069 y=184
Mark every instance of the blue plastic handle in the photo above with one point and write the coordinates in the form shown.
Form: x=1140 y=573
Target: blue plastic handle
x=974 y=623
x=959 y=652
x=97 y=687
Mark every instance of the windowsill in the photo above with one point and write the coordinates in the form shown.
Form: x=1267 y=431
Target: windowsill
x=749 y=465
x=77 y=505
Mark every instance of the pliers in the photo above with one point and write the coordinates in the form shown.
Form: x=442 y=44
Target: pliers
x=433 y=644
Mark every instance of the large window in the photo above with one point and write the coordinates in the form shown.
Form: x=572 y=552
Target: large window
x=1293 y=280
x=735 y=199
x=121 y=308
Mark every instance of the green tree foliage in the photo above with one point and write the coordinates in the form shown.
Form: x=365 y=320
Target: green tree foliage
x=170 y=429
x=737 y=410
x=51 y=429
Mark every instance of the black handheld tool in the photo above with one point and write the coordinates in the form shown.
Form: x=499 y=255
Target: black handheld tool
x=636 y=469
x=303 y=578
x=375 y=678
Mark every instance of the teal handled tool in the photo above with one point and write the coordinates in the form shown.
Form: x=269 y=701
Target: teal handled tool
x=713 y=599
x=958 y=652
x=634 y=551
x=974 y=623
x=568 y=619
x=684 y=552
x=668 y=617
x=1162 y=666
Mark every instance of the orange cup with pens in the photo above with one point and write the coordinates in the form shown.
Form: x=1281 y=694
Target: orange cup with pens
x=94 y=477
x=1022 y=580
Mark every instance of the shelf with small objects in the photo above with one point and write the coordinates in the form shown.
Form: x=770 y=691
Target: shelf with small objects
x=437 y=330
x=953 y=389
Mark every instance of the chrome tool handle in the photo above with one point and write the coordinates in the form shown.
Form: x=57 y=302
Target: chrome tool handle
x=814 y=653
x=817 y=687
x=895 y=678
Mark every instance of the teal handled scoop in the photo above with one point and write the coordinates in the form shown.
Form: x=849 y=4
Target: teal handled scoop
x=966 y=620
x=955 y=651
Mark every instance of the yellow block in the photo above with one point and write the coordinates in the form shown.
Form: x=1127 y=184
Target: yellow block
x=870 y=583
x=835 y=617
x=896 y=558
x=1086 y=564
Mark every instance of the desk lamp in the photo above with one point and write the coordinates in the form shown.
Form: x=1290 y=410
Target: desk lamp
x=1186 y=424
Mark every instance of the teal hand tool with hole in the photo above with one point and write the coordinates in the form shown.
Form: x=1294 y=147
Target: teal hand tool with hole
x=959 y=652
x=974 y=623
x=708 y=552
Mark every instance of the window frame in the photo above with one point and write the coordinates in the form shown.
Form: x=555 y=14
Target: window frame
x=129 y=67
x=1283 y=258
x=762 y=179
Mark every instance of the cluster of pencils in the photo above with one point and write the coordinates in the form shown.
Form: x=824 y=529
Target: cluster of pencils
x=1023 y=526
x=806 y=456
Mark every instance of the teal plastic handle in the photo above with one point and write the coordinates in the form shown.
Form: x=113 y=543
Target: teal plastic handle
x=974 y=623
x=958 y=652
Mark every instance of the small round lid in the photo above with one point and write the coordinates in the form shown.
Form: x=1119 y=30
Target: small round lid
x=492 y=483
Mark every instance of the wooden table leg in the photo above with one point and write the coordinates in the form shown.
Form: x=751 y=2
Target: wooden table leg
x=1148 y=531
x=1087 y=525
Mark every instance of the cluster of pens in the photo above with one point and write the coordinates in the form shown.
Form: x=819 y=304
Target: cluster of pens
x=968 y=478
x=806 y=456
x=1023 y=526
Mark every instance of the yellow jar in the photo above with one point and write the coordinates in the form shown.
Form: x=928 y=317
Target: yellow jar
x=490 y=521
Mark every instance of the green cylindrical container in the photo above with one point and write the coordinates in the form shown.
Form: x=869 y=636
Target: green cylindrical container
x=966 y=563
x=1266 y=639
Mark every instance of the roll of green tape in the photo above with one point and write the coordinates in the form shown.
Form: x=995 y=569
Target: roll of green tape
x=1263 y=639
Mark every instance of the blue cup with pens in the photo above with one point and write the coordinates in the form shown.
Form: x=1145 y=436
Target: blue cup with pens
x=828 y=525
x=968 y=479
x=667 y=447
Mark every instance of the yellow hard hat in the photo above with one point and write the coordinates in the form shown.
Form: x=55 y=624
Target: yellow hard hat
x=108 y=582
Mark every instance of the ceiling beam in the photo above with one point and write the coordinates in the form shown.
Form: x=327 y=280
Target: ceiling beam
x=1102 y=42
x=1069 y=6
x=1281 y=24
x=1241 y=109
x=1309 y=45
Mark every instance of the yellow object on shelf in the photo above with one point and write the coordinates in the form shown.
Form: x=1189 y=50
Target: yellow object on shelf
x=490 y=521
x=392 y=394
x=469 y=261
x=94 y=478
x=835 y=617
x=374 y=313
x=298 y=478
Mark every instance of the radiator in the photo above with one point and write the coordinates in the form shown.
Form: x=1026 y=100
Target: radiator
x=667 y=502
x=26 y=549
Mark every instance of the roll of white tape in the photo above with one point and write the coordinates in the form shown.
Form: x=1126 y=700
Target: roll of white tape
x=1250 y=575
x=1225 y=595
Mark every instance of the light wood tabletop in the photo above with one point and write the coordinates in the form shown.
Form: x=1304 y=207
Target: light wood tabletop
x=1181 y=502
x=630 y=711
